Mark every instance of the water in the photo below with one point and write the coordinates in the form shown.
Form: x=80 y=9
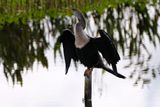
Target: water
x=52 y=88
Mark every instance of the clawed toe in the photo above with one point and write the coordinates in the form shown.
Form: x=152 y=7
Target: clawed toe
x=88 y=72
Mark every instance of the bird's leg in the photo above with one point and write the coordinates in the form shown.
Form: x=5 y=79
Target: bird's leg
x=88 y=72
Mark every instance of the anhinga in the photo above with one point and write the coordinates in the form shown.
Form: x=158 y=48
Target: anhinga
x=79 y=46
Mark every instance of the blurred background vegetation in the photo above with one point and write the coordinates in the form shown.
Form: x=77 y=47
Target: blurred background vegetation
x=13 y=10
x=26 y=25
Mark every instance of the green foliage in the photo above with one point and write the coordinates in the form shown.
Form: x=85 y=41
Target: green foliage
x=20 y=47
x=12 y=10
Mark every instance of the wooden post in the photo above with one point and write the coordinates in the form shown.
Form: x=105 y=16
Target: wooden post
x=88 y=91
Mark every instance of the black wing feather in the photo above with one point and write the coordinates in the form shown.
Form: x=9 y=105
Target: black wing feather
x=105 y=45
x=67 y=39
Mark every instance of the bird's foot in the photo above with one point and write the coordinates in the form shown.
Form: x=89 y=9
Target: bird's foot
x=88 y=72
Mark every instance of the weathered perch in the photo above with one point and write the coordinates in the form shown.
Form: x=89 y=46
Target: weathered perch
x=88 y=88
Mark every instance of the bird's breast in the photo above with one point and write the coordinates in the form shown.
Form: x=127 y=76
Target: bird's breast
x=80 y=42
x=88 y=55
x=81 y=38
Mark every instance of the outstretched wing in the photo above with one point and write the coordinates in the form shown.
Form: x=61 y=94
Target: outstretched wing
x=105 y=45
x=67 y=39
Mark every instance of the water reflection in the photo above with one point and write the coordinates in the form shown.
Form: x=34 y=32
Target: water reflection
x=133 y=29
x=20 y=47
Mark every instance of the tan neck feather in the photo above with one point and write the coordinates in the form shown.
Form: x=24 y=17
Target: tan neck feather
x=81 y=38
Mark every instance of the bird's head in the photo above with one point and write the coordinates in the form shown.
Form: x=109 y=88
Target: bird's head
x=79 y=16
x=77 y=13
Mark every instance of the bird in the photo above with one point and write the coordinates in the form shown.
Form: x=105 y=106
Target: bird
x=79 y=46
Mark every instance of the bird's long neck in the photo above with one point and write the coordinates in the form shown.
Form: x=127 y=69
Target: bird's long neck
x=80 y=18
x=82 y=21
x=81 y=38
